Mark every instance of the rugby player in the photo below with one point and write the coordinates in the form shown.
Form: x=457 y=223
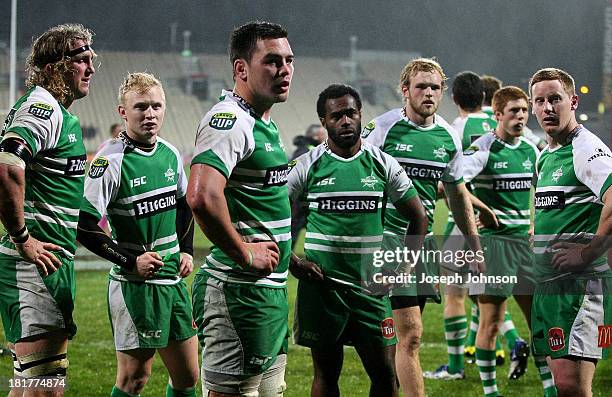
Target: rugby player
x=573 y=224
x=343 y=184
x=500 y=166
x=42 y=169
x=238 y=193
x=138 y=181
x=430 y=151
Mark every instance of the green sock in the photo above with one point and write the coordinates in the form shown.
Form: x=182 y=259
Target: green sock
x=485 y=359
x=120 y=393
x=455 y=329
x=471 y=336
x=548 y=383
x=498 y=345
x=509 y=331
x=170 y=392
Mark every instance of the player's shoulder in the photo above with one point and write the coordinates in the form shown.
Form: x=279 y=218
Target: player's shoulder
x=529 y=143
x=483 y=142
x=41 y=104
x=586 y=146
x=382 y=123
x=227 y=115
x=110 y=156
x=443 y=125
x=306 y=160
x=376 y=153
x=161 y=141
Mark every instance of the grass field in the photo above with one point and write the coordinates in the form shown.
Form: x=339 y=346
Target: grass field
x=92 y=356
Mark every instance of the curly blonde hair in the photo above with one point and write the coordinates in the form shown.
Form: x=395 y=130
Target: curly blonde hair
x=140 y=82
x=420 y=65
x=51 y=48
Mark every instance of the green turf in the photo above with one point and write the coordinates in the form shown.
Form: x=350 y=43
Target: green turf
x=92 y=356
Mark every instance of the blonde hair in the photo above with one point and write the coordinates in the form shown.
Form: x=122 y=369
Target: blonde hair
x=566 y=80
x=505 y=95
x=420 y=65
x=51 y=48
x=140 y=82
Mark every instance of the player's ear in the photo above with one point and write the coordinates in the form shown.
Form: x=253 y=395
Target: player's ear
x=240 y=69
x=121 y=111
x=574 y=102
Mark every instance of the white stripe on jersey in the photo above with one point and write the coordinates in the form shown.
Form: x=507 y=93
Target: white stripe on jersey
x=341 y=250
x=150 y=246
x=53 y=208
x=312 y=196
x=505 y=176
x=512 y=212
x=263 y=224
x=565 y=189
x=265 y=237
x=44 y=218
x=347 y=239
x=129 y=200
x=418 y=161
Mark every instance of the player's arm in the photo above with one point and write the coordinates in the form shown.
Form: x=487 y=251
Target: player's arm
x=14 y=155
x=184 y=223
x=207 y=201
x=573 y=255
x=413 y=210
x=486 y=215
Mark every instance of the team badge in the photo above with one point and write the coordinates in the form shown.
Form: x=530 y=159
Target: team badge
x=604 y=336
x=369 y=181
x=440 y=152
x=222 y=121
x=557 y=174
x=98 y=167
x=388 y=328
x=169 y=174
x=556 y=339
x=368 y=129
x=41 y=110
x=527 y=164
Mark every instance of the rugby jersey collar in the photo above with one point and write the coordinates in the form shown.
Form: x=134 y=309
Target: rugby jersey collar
x=415 y=125
x=334 y=155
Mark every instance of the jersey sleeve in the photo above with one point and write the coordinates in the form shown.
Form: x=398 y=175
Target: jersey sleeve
x=375 y=132
x=101 y=183
x=38 y=121
x=454 y=169
x=593 y=164
x=224 y=138
x=475 y=158
x=296 y=180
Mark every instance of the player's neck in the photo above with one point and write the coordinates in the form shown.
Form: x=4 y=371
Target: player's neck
x=506 y=137
x=465 y=112
x=260 y=108
x=343 y=152
x=145 y=146
x=416 y=118
x=563 y=137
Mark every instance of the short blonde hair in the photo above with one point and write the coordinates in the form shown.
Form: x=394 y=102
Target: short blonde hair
x=140 y=82
x=507 y=94
x=52 y=48
x=566 y=80
x=420 y=65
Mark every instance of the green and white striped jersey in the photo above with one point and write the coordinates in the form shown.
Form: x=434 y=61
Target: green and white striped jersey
x=249 y=152
x=55 y=175
x=501 y=176
x=571 y=181
x=428 y=154
x=345 y=198
x=472 y=127
x=137 y=190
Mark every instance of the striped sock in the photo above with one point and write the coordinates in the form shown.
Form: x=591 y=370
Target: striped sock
x=116 y=392
x=548 y=383
x=471 y=337
x=498 y=345
x=509 y=331
x=485 y=359
x=455 y=329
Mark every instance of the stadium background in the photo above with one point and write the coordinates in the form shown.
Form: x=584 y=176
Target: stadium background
x=362 y=43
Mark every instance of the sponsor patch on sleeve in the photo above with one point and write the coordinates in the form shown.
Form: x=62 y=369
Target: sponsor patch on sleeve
x=98 y=167
x=41 y=110
x=222 y=121
x=367 y=130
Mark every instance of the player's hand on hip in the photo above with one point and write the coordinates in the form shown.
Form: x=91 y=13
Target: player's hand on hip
x=487 y=219
x=186 y=265
x=570 y=256
x=38 y=252
x=148 y=264
x=303 y=269
x=263 y=258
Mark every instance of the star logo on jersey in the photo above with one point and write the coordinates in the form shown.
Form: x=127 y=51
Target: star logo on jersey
x=369 y=181
x=440 y=152
x=527 y=165
x=169 y=174
x=557 y=174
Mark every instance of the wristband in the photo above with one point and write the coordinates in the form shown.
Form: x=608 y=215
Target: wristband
x=21 y=236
